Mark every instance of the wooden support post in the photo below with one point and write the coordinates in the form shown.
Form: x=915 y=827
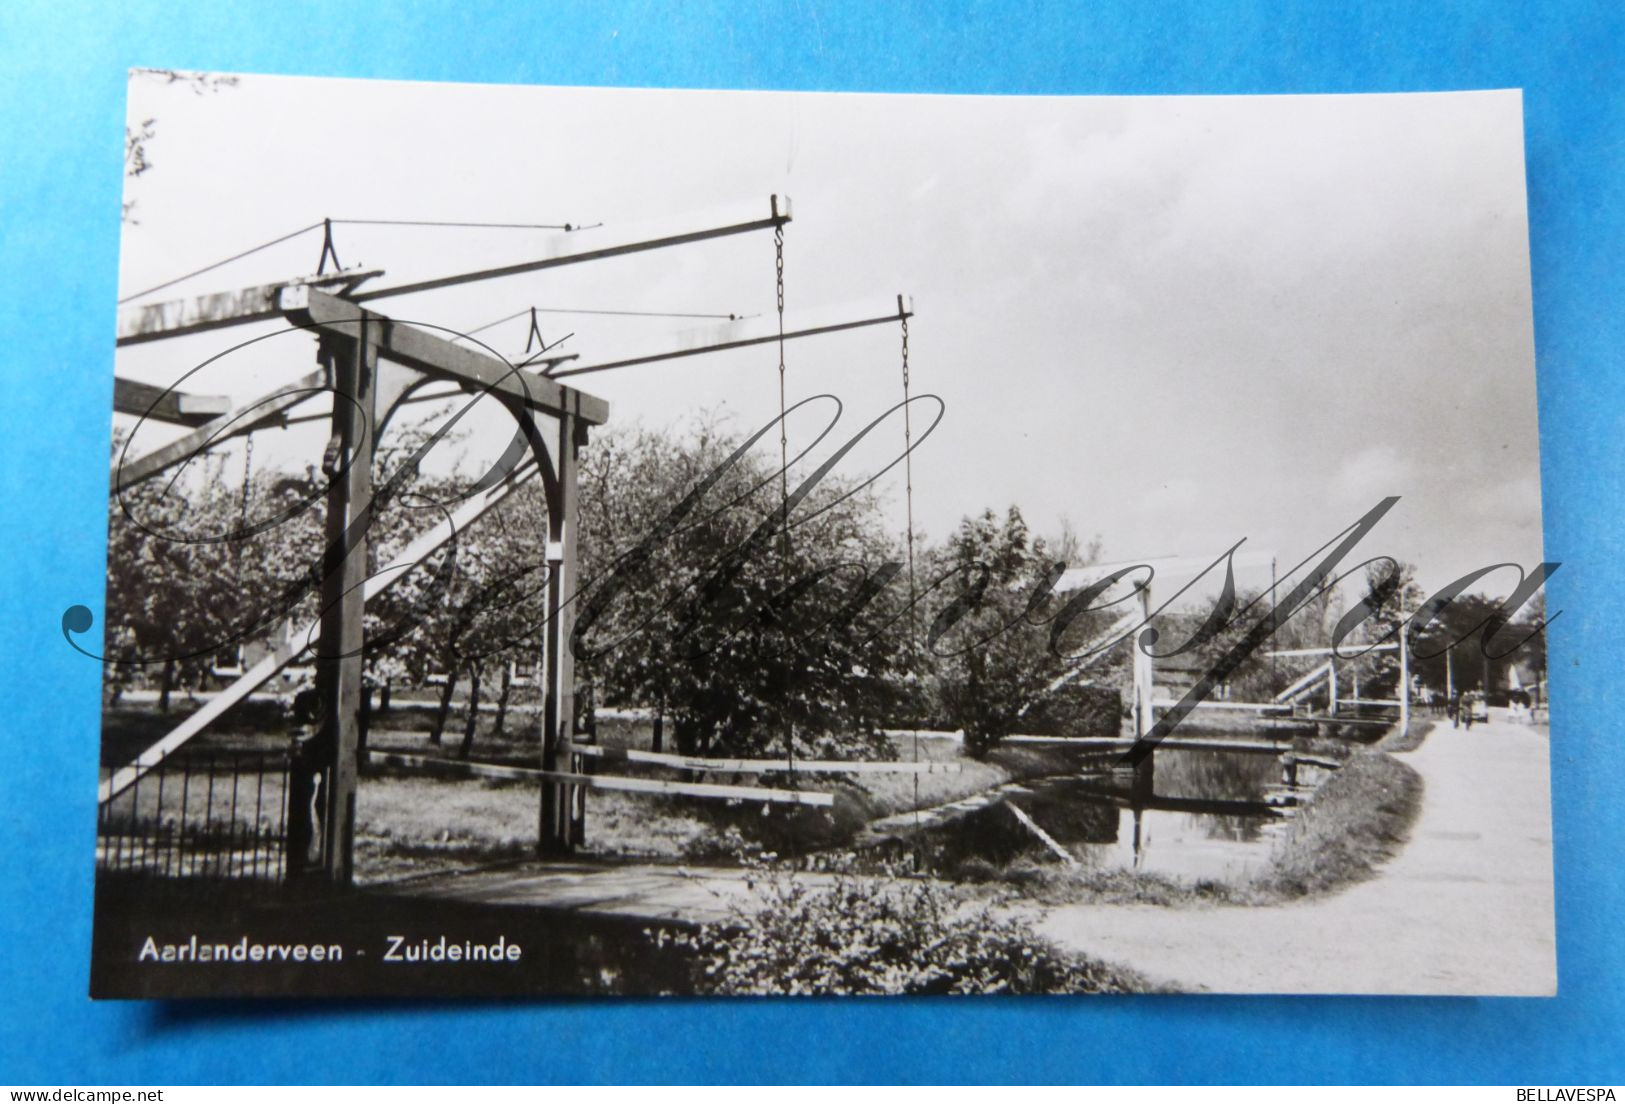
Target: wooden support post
x=558 y=819
x=1143 y=674
x=352 y=365
x=1404 y=694
x=1145 y=780
x=1331 y=687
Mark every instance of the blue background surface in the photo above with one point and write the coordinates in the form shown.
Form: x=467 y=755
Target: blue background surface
x=62 y=93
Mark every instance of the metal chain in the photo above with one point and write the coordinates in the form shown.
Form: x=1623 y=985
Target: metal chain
x=784 y=437
x=908 y=466
x=248 y=468
x=913 y=638
x=784 y=468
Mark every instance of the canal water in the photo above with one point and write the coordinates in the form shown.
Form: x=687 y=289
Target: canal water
x=1185 y=814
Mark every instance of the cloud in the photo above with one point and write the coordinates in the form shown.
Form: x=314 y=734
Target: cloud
x=1173 y=498
x=1373 y=473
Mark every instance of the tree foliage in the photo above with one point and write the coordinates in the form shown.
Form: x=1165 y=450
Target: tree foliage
x=138 y=137
x=1475 y=637
x=699 y=603
x=991 y=644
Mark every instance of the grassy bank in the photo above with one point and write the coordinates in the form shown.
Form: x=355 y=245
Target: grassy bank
x=1360 y=818
x=886 y=794
x=408 y=823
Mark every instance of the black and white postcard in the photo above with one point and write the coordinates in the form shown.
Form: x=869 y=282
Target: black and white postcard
x=610 y=541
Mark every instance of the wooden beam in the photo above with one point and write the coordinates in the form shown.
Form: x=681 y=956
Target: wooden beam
x=1043 y=837
x=453 y=392
x=1159 y=803
x=1341 y=651
x=353 y=366
x=763 y=766
x=256 y=676
x=457 y=767
x=1310 y=718
x=1248 y=707
x=231 y=424
x=605 y=781
x=1143 y=674
x=439 y=357
x=1405 y=679
x=647 y=239
x=1306 y=683
x=155 y=321
x=178 y=317
x=813 y=798
x=1313 y=760
x=1092 y=652
x=556 y=820
x=146 y=400
x=747 y=332
x=1114 y=744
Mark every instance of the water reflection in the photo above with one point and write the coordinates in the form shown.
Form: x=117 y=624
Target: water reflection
x=1186 y=814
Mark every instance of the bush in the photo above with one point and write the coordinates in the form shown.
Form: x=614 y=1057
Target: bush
x=1076 y=710
x=873 y=935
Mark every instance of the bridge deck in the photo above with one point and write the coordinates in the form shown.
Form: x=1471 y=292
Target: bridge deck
x=1107 y=743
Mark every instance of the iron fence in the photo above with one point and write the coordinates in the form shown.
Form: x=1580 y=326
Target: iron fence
x=202 y=814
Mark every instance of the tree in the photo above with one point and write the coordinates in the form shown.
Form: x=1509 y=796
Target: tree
x=1473 y=636
x=1530 y=626
x=992 y=655
x=715 y=617
x=467 y=611
x=176 y=580
x=499 y=613
x=1260 y=676
x=138 y=138
x=200 y=562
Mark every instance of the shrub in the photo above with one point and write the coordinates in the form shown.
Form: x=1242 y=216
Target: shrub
x=872 y=935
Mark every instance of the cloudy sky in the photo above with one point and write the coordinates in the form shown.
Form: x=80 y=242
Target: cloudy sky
x=1176 y=322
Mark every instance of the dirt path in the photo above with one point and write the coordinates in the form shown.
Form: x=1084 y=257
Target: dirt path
x=637 y=891
x=1465 y=908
